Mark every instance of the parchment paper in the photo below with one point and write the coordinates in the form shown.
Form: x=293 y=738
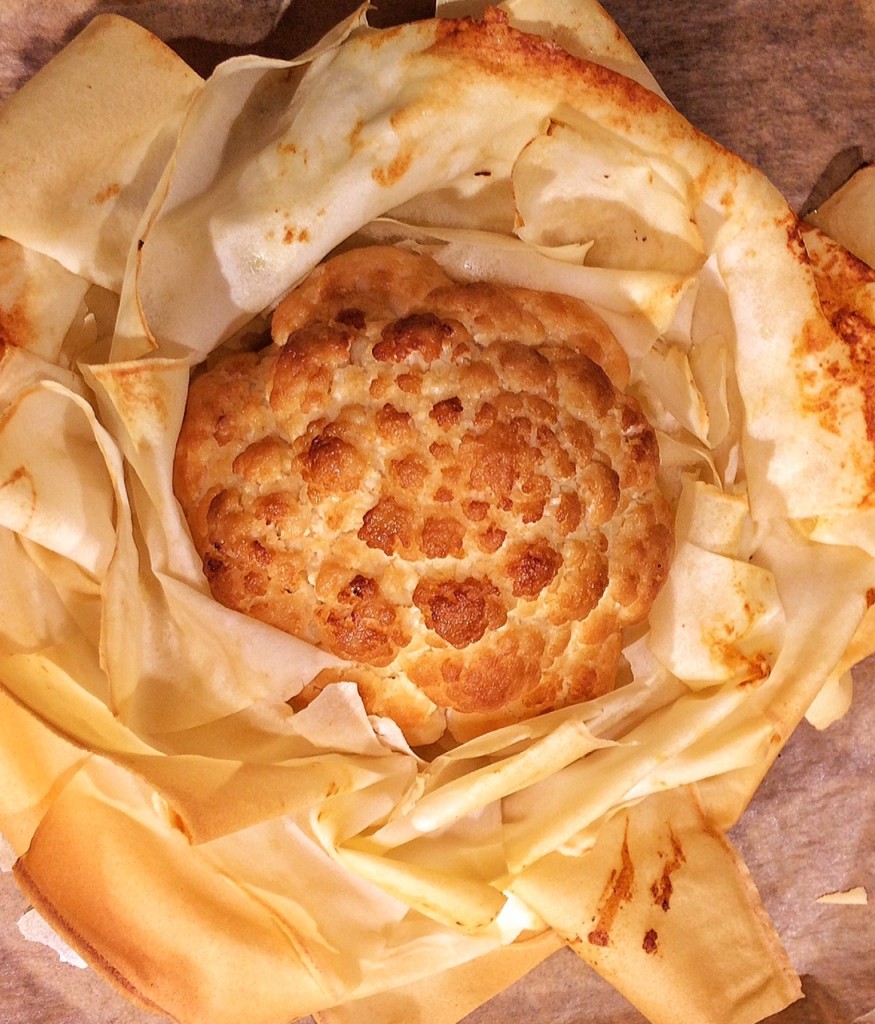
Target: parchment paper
x=788 y=86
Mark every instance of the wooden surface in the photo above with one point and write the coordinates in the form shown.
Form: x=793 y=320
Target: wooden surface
x=789 y=86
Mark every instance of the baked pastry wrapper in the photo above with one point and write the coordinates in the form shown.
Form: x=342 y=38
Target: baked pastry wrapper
x=172 y=817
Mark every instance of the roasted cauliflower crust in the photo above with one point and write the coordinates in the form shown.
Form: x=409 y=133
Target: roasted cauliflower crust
x=436 y=482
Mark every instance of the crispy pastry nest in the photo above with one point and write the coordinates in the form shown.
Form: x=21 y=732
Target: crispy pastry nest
x=155 y=770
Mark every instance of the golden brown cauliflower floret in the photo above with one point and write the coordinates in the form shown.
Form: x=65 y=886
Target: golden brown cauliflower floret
x=438 y=483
